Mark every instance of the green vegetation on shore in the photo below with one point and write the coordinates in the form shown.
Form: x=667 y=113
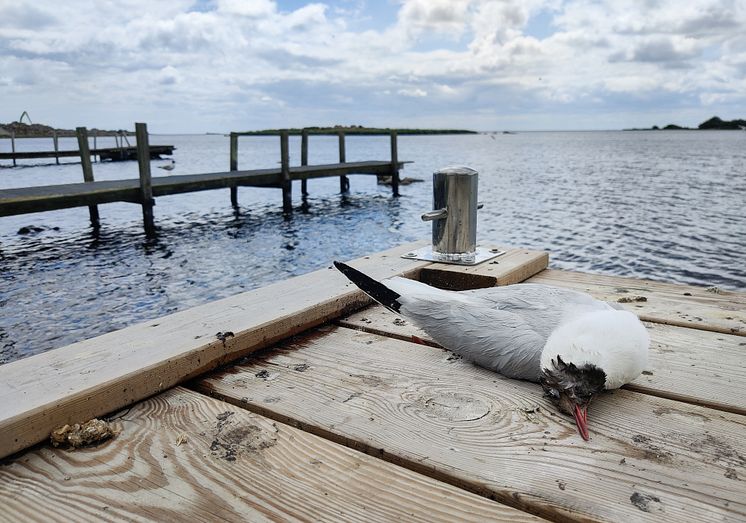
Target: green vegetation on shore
x=356 y=129
x=37 y=130
x=713 y=123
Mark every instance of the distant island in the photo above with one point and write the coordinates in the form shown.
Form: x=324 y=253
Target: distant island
x=714 y=123
x=37 y=130
x=356 y=129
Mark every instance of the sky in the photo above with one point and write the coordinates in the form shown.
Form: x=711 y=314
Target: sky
x=198 y=66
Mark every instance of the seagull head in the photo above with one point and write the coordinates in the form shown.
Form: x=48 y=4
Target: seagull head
x=593 y=352
x=572 y=388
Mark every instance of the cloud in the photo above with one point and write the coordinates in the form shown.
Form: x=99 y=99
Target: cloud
x=458 y=60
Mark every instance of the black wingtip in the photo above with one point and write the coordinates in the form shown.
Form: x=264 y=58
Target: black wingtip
x=371 y=287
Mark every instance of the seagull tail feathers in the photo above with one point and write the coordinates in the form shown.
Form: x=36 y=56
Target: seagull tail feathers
x=371 y=287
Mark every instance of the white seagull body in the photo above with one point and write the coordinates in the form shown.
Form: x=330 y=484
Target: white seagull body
x=570 y=342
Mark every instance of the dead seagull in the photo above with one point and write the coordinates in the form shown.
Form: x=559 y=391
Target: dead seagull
x=169 y=166
x=571 y=343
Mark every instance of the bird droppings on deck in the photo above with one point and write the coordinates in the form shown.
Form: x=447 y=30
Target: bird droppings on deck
x=714 y=290
x=400 y=322
x=647 y=373
x=631 y=299
x=731 y=474
x=90 y=433
x=223 y=336
x=650 y=451
x=233 y=438
x=301 y=367
x=642 y=501
x=266 y=375
x=561 y=484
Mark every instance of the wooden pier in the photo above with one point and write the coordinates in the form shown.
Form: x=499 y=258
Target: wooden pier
x=142 y=191
x=119 y=153
x=342 y=417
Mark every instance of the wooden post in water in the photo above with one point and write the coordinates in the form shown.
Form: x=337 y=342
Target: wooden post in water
x=146 y=185
x=287 y=184
x=56 y=147
x=304 y=159
x=344 y=183
x=85 y=161
x=234 y=167
x=394 y=164
x=95 y=146
x=13 y=145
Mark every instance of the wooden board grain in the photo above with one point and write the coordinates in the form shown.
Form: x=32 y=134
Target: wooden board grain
x=102 y=374
x=673 y=304
x=232 y=466
x=512 y=267
x=649 y=459
x=691 y=365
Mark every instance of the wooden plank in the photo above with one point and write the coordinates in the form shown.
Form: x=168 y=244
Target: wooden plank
x=514 y=266
x=704 y=368
x=102 y=374
x=234 y=466
x=63 y=196
x=673 y=304
x=649 y=459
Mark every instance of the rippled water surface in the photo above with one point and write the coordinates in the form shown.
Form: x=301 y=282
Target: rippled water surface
x=660 y=205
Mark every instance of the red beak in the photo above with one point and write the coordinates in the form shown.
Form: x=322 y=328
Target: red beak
x=581 y=420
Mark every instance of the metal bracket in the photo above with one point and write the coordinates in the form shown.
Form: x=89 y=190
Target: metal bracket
x=481 y=255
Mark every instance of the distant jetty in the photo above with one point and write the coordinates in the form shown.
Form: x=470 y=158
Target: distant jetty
x=355 y=129
x=714 y=123
x=36 y=130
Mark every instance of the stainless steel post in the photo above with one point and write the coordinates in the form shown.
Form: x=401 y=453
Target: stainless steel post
x=454 y=218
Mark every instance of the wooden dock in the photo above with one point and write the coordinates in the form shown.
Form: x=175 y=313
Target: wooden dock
x=143 y=190
x=116 y=154
x=342 y=417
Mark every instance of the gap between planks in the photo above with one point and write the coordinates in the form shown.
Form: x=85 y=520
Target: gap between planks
x=418 y=407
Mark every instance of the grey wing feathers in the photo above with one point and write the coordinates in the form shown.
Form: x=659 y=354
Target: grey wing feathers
x=491 y=338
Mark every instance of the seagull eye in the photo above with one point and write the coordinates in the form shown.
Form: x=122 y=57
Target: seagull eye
x=553 y=393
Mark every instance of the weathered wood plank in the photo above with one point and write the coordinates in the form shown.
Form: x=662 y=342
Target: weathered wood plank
x=512 y=267
x=64 y=196
x=649 y=459
x=102 y=374
x=673 y=304
x=233 y=466
x=700 y=367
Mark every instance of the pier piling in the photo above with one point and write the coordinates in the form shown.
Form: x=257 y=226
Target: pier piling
x=344 y=182
x=234 y=167
x=85 y=162
x=394 y=164
x=287 y=184
x=146 y=186
x=55 y=141
x=304 y=159
x=13 y=145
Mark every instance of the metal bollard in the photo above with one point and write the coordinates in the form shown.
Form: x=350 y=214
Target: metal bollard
x=454 y=218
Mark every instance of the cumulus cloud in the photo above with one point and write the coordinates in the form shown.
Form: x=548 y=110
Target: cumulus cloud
x=483 y=61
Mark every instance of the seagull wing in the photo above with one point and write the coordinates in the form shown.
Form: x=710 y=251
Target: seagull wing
x=473 y=328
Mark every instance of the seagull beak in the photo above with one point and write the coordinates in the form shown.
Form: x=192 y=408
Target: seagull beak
x=581 y=420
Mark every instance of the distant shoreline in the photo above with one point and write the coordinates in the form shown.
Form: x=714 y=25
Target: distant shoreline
x=713 y=124
x=37 y=130
x=359 y=130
